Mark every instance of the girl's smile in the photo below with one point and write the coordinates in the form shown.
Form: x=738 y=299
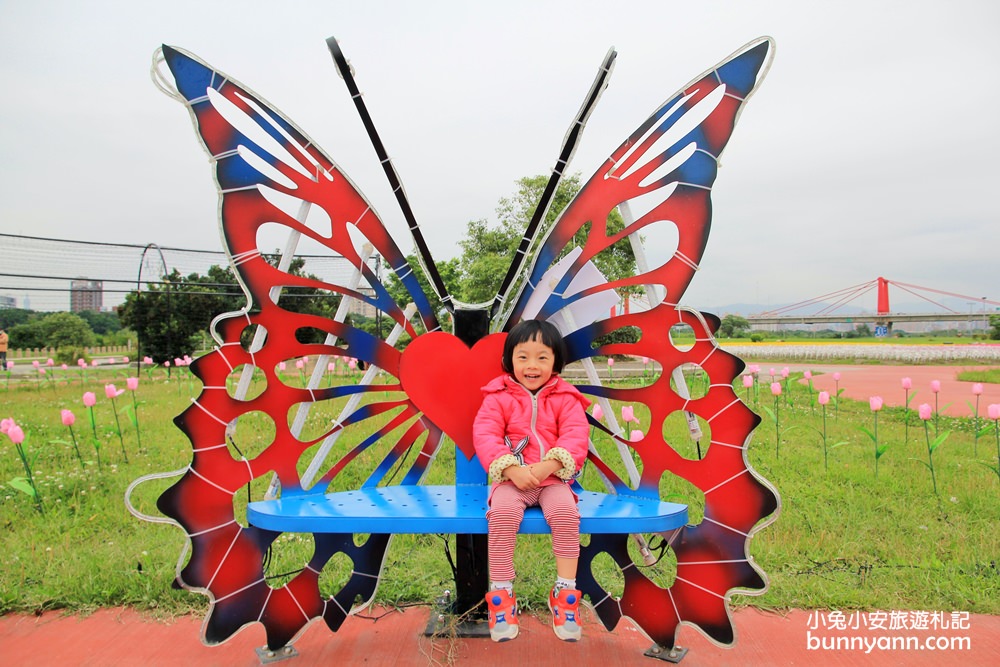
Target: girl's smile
x=533 y=362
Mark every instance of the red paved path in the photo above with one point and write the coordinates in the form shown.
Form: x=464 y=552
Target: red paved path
x=861 y=382
x=120 y=637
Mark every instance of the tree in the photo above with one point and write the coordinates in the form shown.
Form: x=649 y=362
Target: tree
x=734 y=326
x=11 y=317
x=66 y=330
x=101 y=323
x=995 y=323
x=169 y=317
x=487 y=251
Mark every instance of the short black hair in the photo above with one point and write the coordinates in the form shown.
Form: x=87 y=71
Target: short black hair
x=545 y=333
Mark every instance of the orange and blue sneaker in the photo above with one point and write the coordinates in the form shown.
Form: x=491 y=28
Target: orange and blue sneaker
x=502 y=607
x=564 y=603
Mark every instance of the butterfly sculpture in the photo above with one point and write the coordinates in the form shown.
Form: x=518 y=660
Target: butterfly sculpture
x=270 y=174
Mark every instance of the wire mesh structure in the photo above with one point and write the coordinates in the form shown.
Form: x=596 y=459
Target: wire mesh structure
x=38 y=273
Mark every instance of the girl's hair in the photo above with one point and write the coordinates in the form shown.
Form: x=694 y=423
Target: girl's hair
x=543 y=332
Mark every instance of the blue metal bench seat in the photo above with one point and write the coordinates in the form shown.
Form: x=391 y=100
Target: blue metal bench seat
x=449 y=509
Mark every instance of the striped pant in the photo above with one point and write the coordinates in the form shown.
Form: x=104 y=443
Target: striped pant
x=507 y=505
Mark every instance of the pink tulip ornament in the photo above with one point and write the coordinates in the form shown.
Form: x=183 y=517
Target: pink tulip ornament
x=993 y=411
x=824 y=397
x=68 y=419
x=925 y=411
x=89 y=399
x=628 y=414
x=50 y=362
x=598 y=412
x=747 y=381
x=5 y=425
x=132 y=383
x=875 y=403
x=16 y=434
x=907 y=383
x=977 y=389
x=935 y=386
x=807 y=375
x=635 y=436
x=776 y=388
x=836 y=377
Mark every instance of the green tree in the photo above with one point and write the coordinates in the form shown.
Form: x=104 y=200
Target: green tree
x=487 y=251
x=734 y=326
x=66 y=330
x=11 y=317
x=27 y=335
x=170 y=317
x=102 y=323
x=995 y=324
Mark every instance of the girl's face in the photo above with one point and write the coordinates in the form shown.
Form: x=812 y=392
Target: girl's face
x=533 y=363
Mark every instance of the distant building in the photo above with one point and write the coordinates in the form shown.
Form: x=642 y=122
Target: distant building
x=7 y=301
x=86 y=295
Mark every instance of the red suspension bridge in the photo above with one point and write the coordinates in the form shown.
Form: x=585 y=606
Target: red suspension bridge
x=828 y=305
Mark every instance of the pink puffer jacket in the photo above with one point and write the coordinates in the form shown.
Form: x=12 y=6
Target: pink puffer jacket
x=515 y=426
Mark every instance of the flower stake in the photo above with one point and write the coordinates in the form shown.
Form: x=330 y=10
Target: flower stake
x=907 y=386
x=89 y=400
x=611 y=367
x=776 y=392
x=936 y=388
x=977 y=391
x=68 y=418
x=133 y=383
x=925 y=414
x=836 y=394
x=23 y=484
x=812 y=403
x=993 y=412
x=823 y=399
x=112 y=392
x=875 y=403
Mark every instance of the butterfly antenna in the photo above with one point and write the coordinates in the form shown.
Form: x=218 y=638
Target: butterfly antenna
x=430 y=268
x=570 y=142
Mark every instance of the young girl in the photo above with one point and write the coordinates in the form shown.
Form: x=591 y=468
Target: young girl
x=531 y=435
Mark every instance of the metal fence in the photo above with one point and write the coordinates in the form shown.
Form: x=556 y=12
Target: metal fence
x=38 y=273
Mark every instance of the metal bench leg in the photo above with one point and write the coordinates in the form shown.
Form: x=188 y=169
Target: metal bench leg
x=665 y=654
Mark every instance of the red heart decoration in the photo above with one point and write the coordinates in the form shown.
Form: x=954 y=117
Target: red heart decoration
x=443 y=377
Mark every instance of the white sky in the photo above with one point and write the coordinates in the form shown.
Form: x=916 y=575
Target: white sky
x=870 y=150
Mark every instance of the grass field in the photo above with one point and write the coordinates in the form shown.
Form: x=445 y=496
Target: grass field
x=844 y=539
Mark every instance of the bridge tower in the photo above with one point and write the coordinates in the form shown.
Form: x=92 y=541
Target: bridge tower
x=882 y=305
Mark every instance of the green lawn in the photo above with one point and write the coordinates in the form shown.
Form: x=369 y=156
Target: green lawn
x=844 y=538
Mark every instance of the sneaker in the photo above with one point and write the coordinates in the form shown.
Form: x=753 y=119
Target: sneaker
x=502 y=607
x=564 y=603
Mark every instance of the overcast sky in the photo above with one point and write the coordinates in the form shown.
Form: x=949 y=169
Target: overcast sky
x=870 y=150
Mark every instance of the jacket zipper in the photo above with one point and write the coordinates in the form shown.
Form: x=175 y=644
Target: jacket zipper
x=534 y=418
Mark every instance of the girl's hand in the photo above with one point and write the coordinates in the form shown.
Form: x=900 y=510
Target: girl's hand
x=522 y=476
x=544 y=469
